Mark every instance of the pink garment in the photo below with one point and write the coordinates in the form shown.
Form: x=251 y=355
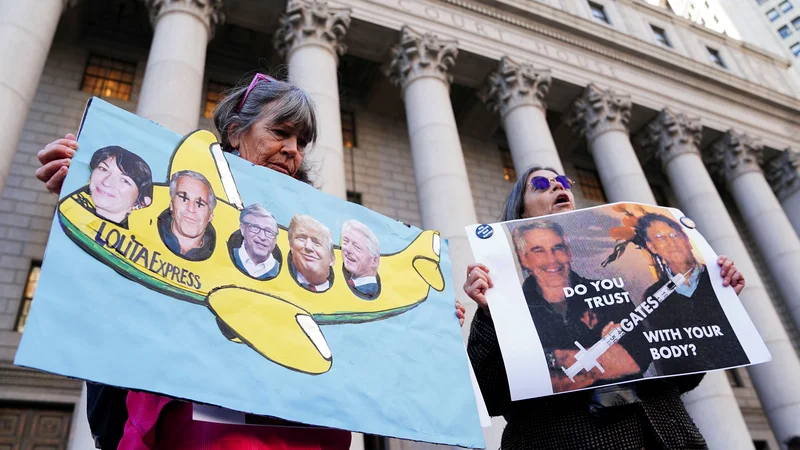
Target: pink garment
x=160 y=423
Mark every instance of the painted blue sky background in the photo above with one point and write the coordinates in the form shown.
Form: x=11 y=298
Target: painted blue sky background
x=406 y=376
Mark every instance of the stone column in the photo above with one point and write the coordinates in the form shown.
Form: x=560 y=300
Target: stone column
x=309 y=38
x=419 y=66
x=172 y=89
x=674 y=140
x=517 y=92
x=26 y=33
x=735 y=159
x=603 y=116
x=784 y=178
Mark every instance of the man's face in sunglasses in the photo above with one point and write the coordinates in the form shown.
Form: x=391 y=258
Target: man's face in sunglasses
x=554 y=198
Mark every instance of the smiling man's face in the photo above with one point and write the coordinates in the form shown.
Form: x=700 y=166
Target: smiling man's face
x=190 y=210
x=311 y=255
x=547 y=257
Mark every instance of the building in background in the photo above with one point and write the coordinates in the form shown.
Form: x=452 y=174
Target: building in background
x=429 y=109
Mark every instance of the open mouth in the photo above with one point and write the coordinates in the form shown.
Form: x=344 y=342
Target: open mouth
x=104 y=193
x=561 y=200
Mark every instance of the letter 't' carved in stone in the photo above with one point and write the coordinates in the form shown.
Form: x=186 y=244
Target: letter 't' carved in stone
x=597 y=111
x=421 y=55
x=312 y=22
x=515 y=84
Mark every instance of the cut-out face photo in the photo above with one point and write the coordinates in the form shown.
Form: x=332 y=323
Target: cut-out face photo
x=256 y=254
x=186 y=226
x=120 y=182
x=311 y=253
x=360 y=256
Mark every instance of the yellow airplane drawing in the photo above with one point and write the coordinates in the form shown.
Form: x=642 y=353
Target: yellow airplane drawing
x=277 y=318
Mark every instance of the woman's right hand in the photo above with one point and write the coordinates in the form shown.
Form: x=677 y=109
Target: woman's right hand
x=478 y=282
x=55 y=159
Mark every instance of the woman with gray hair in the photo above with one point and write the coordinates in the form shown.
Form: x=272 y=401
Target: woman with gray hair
x=269 y=123
x=646 y=414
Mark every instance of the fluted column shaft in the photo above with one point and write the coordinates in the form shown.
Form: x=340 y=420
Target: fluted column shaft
x=26 y=33
x=603 y=116
x=309 y=37
x=517 y=91
x=673 y=138
x=736 y=159
x=783 y=175
x=173 y=80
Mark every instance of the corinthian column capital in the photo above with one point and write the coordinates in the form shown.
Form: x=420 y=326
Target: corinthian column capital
x=208 y=11
x=598 y=111
x=515 y=84
x=421 y=55
x=312 y=22
x=734 y=155
x=672 y=134
x=783 y=173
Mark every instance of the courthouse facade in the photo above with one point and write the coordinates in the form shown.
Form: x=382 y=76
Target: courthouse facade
x=428 y=109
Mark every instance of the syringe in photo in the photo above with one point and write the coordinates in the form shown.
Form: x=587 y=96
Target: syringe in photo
x=588 y=359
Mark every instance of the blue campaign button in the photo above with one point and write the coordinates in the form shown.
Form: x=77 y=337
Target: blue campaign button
x=687 y=222
x=484 y=231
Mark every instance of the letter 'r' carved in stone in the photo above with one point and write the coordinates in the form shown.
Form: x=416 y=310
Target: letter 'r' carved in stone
x=312 y=22
x=733 y=155
x=672 y=134
x=208 y=11
x=421 y=55
x=515 y=84
x=782 y=173
x=597 y=111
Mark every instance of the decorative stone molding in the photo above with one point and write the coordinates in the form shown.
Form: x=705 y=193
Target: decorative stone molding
x=311 y=22
x=734 y=155
x=598 y=111
x=515 y=84
x=783 y=174
x=421 y=55
x=672 y=134
x=208 y=11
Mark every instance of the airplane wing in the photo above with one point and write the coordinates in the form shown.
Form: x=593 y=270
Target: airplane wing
x=275 y=328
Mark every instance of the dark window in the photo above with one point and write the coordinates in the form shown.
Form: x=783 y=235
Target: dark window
x=599 y=12
x=354 y=197
x=784 y=31
x=734 y=378
x=773 y=14
x=27 y=295
x=761 y=445
x=214 y=93
x=785 y=6
x=590 y=185
x=795 y=49
x=509 y=173
x=716 y=58
x=349 y=129
x=660 y=194
x=796 y=23
x=109 y=78
x=661 y=36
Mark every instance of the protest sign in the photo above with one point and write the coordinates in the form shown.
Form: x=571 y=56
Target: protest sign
x=175 y=268
x=609 y=295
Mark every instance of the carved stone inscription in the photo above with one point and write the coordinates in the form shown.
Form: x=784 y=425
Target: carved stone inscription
x=506 y=35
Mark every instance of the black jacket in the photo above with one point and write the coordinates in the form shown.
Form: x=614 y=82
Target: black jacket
x=563 y=422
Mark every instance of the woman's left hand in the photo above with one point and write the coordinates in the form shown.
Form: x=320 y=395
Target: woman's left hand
x=730 y=275
x=460 y=311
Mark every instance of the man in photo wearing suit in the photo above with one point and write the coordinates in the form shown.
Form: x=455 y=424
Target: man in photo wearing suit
x=311 y=256
x=361 y=255
x=259 y=230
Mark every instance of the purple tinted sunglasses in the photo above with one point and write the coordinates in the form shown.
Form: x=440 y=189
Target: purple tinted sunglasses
x=256 y=79
x=542 y=183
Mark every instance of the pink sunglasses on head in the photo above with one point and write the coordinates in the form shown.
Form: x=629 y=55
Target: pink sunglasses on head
x=256 y=79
